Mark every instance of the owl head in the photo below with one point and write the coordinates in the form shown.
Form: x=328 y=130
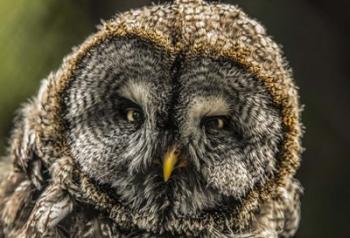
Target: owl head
x=163 y=131
x=182 y=110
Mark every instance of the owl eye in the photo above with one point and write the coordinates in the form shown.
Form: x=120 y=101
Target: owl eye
x=215 y=122
x=134 y=115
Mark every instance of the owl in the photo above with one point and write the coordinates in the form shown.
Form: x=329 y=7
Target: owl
x=174 y=120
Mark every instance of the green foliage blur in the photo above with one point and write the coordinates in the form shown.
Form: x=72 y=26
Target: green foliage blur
x=34 y=36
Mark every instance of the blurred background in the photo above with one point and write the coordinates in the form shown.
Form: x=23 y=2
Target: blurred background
x=35 y=35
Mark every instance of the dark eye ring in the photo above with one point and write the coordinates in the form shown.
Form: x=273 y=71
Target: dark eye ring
x=215 y=122
x=133 y=115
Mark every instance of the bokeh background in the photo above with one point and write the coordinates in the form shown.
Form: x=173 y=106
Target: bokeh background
x=35 y=35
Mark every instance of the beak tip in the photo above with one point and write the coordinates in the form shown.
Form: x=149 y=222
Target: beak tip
x=166 y=177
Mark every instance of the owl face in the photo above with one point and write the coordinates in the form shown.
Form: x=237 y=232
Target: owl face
x=132 y=105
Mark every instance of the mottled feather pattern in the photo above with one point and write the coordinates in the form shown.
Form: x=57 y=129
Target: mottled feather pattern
x=87 y=152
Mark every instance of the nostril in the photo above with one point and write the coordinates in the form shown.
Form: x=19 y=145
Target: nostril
x=177 y=151
x=182 y=163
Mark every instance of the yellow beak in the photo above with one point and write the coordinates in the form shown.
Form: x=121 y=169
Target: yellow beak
x=171 y=161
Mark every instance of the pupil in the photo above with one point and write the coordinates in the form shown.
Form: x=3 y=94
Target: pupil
x=136 y=116
x=217 y=123
x=212 y=123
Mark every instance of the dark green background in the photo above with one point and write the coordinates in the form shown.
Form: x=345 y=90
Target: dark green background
x=35 y=35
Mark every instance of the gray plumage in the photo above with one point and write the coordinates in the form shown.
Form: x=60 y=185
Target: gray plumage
x=89 y=151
